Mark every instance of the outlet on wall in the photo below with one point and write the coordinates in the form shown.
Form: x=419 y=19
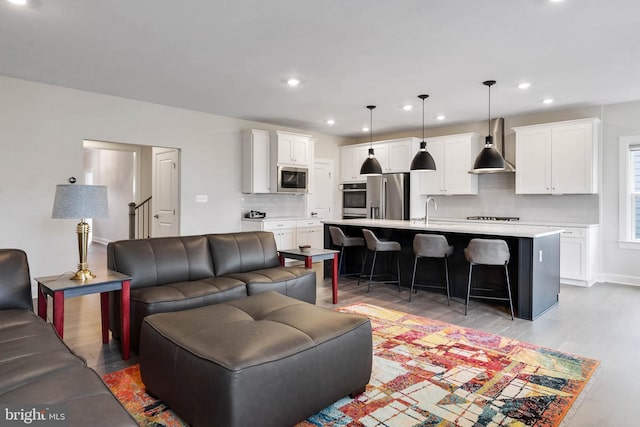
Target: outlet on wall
x=202 y=198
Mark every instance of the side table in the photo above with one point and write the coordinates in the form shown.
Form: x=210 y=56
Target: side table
x=313 y=254
x=61 y=287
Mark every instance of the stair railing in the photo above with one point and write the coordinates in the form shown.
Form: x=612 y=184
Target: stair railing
x=140 y=219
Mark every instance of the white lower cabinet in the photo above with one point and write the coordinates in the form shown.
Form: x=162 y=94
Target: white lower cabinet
x=290 y=234
x=578 y=255
x=310 y=232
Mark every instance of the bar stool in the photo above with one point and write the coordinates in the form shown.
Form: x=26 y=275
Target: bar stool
x=375 y=245
x=343 y=241
x=488 y=252
x=431 y=246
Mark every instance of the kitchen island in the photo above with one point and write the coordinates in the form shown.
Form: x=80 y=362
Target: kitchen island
x=534 y=268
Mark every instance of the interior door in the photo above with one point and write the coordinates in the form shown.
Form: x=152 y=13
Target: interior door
x=320 y=200
x=165 y=191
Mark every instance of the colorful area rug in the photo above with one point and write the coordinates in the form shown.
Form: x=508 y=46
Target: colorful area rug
x=428 y=373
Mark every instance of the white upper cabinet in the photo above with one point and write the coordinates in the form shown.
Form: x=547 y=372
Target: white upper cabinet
x=394 y=155
x=558 y=158
x=454 y=156
x=255 y=162
x=351 y=158
x=292 y=149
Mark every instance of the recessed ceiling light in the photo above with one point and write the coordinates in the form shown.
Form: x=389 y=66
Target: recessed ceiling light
x=18 y=2
x=556 y=1
x=365 y=129
x=293 y=82
x=548 y=101
x=331 y=122
x=407 y=107
x=441 y=117
x=524 y=85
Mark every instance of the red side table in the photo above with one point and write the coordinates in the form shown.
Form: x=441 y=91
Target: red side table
x=309 y=256
x=61 y=287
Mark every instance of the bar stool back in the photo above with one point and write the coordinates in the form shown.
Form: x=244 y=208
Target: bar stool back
x=375 y=245
x=488 y=252
x=342 y=241
x=431 y=246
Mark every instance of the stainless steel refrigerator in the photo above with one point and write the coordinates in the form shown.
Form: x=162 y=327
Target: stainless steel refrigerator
x=388 y=196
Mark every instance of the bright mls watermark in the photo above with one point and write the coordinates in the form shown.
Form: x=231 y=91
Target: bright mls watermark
x=34 y=415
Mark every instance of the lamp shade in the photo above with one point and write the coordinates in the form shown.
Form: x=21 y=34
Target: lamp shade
x=423 y=160
x=371 y=165
x=489 y=159
x=80 y=201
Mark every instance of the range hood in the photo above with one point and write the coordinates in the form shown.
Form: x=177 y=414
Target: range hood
x=497 y=131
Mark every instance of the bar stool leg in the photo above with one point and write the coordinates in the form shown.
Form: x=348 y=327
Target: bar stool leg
x=398 y=270
x=446 y=273
x=373 y=264
x=506 y=273
x=468 y=290
x=413 y=278
x=364 y=260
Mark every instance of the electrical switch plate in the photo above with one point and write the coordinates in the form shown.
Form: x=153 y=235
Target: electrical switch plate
x=202 y=198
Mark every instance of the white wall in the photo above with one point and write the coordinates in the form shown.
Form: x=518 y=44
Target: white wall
x=43 y=128
x=618 y=265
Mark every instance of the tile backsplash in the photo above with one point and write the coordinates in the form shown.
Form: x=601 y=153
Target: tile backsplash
x=496 y=197
x=275 y=205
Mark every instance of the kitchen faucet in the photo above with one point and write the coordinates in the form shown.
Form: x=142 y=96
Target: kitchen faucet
x=435 y=207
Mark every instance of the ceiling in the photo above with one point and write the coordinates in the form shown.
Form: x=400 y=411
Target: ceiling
x=233 y=57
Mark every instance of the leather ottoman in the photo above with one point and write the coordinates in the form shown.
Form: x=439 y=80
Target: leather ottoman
x=266 y=360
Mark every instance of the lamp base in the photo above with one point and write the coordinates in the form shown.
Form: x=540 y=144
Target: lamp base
x=83 y=273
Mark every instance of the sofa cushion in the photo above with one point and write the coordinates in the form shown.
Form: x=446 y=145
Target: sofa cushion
x=298 y=283
x=158 y=261
x=245 y=251
x=189 y=290
x=36 y=367
x=179 y=296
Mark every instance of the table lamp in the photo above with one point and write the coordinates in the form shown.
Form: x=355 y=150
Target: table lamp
x=81 y=201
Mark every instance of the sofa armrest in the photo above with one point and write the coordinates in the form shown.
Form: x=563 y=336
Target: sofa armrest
x=15 y=280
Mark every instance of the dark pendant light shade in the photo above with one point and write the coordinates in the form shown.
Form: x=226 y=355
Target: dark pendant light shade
x=489 y=159
x=371 y=166
x=423 y=161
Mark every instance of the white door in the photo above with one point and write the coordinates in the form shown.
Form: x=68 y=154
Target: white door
x=165 y=192
x=320 y=200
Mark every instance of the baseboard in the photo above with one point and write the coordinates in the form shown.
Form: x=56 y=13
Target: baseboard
x=620 y=278
x=575 y=282
x=100 y=240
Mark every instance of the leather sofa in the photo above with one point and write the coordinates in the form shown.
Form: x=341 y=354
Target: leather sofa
x=183 y=272
x=37 y=368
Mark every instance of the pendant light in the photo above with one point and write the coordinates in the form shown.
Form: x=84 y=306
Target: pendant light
x=423 y=160
x=371 y=166
x=489 y=159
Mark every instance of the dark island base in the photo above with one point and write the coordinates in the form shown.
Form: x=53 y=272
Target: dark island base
x=534 y=268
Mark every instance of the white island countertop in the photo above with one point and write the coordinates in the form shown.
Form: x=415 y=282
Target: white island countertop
x=509 y=229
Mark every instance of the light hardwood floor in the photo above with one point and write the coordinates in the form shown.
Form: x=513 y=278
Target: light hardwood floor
x=601 y=322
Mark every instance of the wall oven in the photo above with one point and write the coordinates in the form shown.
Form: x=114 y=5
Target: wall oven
x=354 y=200
x=293 y=179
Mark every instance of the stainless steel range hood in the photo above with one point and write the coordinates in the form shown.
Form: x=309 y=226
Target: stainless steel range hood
x=497 y=131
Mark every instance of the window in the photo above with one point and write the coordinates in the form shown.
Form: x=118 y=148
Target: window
x=630 y=192
x=635 y=192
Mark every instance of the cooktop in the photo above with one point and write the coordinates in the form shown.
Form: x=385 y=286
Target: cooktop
x=493 y=218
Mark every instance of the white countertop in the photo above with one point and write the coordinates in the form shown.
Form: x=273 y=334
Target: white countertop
x=282 y=218
x=508 y=229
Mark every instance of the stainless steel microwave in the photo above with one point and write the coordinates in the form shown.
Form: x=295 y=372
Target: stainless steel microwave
x=293 y=179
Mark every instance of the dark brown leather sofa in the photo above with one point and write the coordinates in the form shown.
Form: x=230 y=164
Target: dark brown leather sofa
x=178 y=273
x=37 y=368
